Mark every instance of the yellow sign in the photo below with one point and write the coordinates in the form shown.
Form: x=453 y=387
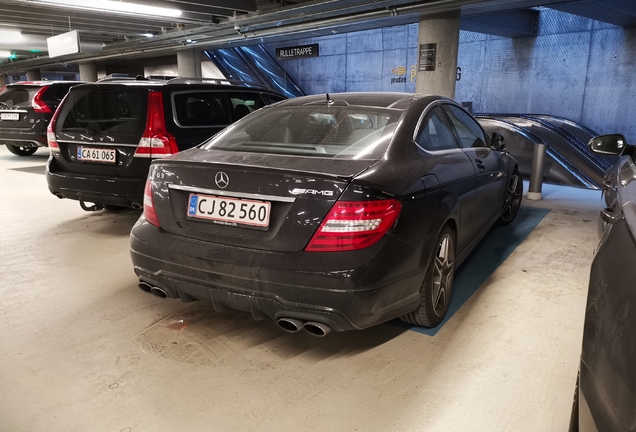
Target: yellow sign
x=399 y=71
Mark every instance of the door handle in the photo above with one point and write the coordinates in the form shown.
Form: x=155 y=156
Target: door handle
x=480 y=164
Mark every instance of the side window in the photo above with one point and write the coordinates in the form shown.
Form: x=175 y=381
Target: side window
x=434 y=134
x=244 y=103
x=469 y=132
x=272 y=99
x=200 y=109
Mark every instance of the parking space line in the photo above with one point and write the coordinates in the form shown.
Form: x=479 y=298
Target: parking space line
x=491 y=252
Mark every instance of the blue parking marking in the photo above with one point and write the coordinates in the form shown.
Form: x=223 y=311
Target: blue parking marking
x=491 y=252
x=192 y=207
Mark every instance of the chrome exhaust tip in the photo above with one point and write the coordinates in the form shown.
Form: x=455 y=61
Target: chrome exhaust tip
x=137 y=206
x=144 y=286
x=317 y=329
x=158 y=292
x=290 y=325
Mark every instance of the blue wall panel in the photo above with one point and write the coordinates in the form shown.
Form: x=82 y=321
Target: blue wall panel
x=577 y=68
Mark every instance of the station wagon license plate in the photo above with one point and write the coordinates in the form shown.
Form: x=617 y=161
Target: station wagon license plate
x=86 y=154
x=9 y=116
x=229 y=211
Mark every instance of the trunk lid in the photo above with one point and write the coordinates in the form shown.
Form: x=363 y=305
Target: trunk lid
x=16 y=109
x=300 y=192
x=103 y=117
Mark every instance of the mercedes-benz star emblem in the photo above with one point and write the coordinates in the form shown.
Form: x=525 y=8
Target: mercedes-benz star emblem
x=222 y=180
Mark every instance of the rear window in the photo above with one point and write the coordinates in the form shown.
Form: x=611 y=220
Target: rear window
x=343 y=132
x=106 y=111
x=17 y=97
x=200 y=109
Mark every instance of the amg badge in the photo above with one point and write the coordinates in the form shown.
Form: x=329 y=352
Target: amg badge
x=298 y=191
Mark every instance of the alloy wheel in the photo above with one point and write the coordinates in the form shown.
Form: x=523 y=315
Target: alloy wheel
x=443 y=274
x=513 y=198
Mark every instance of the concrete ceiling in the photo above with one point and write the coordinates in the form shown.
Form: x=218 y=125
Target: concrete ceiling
x=222 y=23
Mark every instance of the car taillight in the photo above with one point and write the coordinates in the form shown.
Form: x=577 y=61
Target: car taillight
x=352 y=225
x=149 y=205
x=39 y=106
x=50 y=133
x=156 y=141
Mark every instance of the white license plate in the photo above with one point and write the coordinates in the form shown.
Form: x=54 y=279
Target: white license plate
x=229 y=211
x=88 y=154
x=7 y=116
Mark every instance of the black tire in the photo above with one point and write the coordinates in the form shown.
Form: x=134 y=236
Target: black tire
x=574 y=417
x=438 y=283
x=114 y=208
x=20 y=150
x=512 y=200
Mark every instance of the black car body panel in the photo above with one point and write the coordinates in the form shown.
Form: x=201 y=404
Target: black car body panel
x=113 y=115
x=607 y=383
x=23 y=124
x=269 y=272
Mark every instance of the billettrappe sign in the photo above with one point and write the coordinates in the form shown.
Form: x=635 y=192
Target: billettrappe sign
x=303 y=51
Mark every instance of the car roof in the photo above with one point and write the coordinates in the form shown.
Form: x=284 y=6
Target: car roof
x=369 y=99
x=43 y=83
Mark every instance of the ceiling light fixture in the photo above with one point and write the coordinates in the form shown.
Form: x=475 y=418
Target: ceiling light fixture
x=118 y=7
x=5 y=54
x=148 y=35
x=10 y=35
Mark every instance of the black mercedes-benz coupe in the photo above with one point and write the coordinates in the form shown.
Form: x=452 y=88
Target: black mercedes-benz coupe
x=327 y=212
x=605 y=396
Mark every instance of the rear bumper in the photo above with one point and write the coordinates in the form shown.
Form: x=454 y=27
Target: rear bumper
x=303 y=285
x=120 y=191
x=19 y=137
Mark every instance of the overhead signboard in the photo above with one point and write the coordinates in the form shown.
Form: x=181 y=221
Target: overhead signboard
x=64 y=44
x=303 y=51
x=428 y=57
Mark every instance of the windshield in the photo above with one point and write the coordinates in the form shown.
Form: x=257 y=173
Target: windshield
x=343 y=132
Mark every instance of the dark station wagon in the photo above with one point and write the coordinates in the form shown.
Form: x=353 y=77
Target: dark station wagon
x=26 y=108
x=105 y=134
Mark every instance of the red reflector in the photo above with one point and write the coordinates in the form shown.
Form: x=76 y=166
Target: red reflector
x=149 y=205
x=38 y=104
x=352 y=225
x=156 y=141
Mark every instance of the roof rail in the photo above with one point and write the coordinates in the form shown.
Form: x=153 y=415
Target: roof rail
x=109 y=78
x=127 y=78
x=220 y=81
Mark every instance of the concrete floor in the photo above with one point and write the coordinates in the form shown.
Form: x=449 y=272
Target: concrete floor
x=83 y=349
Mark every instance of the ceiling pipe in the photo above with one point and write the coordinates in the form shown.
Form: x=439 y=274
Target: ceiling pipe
x=271 y=25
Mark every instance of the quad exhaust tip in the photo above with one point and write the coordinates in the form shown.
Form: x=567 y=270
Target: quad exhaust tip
x=146 y=287
x=292 y=325
x=156 y=291
x=317 y=329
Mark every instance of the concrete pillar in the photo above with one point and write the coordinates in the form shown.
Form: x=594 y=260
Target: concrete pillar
x=189 y=63
x=88 y=71
x=34 y=75
x=437 y=53
x=3 y=80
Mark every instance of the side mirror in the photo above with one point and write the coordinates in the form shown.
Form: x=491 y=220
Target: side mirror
x=608 y=144
x=497 y=142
